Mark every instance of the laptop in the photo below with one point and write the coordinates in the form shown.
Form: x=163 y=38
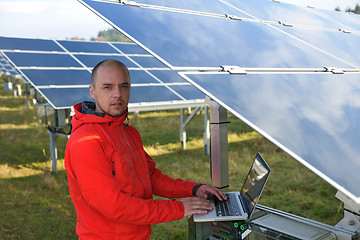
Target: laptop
x=240 y=205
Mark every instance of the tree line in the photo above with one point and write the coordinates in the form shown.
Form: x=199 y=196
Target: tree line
x=356 y=10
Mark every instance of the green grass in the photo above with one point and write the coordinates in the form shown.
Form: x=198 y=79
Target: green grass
x=35 y=204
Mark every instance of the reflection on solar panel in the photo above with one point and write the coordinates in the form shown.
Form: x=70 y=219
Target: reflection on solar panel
x=311 y=116
x=209 y=39
x=61 y=71
x=307 y=108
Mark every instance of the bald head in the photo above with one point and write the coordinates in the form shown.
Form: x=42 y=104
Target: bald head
x=107 y=63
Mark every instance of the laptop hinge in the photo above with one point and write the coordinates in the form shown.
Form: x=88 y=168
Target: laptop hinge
x=233 y=69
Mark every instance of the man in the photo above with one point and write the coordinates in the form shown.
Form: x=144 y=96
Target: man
x=111 y=178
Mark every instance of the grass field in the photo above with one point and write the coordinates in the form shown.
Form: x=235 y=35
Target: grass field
x=35 y=204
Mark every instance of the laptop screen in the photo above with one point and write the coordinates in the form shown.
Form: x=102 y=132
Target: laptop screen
x=254 y=183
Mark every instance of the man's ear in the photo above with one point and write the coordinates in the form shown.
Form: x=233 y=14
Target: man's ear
x=92 y=91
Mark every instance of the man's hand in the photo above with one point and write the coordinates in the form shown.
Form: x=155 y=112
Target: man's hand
x=196 y=205
x=205 y=191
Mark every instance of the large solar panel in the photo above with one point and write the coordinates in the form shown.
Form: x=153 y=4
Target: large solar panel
x=313 y=117
x=194 y=40
x=61 y=71
x=291 y=90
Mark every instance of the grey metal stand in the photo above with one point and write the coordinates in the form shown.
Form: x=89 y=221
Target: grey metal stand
x=218 y=145
x=184 y=123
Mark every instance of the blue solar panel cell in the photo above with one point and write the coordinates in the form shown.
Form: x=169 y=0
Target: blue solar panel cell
x=88 y=47
x=66 y=97
x=91 y=60
x=284 y=13
x=348 y=21
x=148 y=62
x=188 y=92
x=28 y=44
x=141 y=77
x=129 y=48
x=42 y=60
x=152 y=93
x=58 y=77
x=313 y=117
x=6 y=67
x=202 y=41
x=167 y=76
x=207 y=6
x=338 y=44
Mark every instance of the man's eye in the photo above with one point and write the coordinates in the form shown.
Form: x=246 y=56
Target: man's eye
x=107 y=87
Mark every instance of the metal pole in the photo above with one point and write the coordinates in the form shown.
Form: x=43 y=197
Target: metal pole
x=182 y=129
x=206 y=131
x=218 y=145
x=53 y=150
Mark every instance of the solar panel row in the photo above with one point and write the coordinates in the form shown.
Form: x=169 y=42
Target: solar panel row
x=7 y=68
x=61 y=70
x=311 y=115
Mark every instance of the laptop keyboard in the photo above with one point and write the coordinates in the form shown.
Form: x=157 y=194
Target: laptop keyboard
x=229 y=207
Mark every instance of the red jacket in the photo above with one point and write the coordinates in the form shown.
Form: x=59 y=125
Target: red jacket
x=112 y=180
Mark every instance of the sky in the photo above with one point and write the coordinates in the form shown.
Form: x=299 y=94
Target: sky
x=64 y=19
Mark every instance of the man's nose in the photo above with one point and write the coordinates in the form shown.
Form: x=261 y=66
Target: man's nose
x=117 y=92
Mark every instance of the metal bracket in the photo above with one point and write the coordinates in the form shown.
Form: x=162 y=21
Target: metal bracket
x=334 y=70
x=233 y=69
x=345 y=31
x=232 y=17
x=130 y=3
x=285 y=24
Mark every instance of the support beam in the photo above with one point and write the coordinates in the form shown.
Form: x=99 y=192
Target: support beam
x=53 y=150
x=206 y=131
x=218 y=145
x=183 y=124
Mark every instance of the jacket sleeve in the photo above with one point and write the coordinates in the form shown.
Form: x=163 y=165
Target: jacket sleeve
x=165 y=186
x=92 y=173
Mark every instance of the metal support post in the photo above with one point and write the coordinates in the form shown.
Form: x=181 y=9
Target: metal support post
x=206 y=131
x=182 y=129
x=8 y=83
x=183 y=124
x=27 y=94
x=19 y=91
x=53 y=150
x=218 y=145
x=351 y=220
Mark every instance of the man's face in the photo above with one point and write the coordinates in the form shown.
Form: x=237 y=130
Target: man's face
x=112 y=90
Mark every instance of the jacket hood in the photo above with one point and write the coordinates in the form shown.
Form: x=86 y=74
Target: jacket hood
x=85 y=114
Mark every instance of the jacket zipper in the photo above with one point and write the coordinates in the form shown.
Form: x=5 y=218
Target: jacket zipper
x=133 y=159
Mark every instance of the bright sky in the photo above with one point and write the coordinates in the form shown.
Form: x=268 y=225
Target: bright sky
x=63 y=19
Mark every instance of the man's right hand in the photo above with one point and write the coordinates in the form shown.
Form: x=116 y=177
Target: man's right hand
x=196 y=205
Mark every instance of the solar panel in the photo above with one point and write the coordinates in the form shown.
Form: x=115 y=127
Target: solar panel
x=6 y=67
x=61 y=71
x=29 y=44
x=313 y=116
x=193 y=40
